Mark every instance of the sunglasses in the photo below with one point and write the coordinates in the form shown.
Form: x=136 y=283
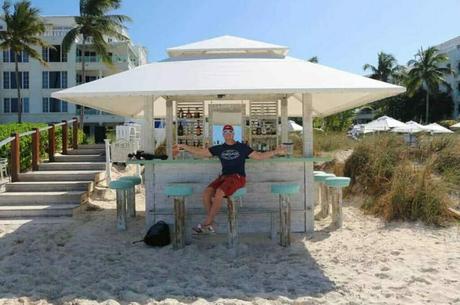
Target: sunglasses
x=227 y=132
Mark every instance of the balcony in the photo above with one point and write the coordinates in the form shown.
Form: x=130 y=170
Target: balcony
x=96 y=58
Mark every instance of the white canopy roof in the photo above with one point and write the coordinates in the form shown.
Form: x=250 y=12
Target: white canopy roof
x=455 y=126
x=293 y=126
x=233 y=72
x=436 y=128
x=410 y=127
x=383 y=123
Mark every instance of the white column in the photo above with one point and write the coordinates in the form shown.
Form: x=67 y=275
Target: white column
x=169 y=128
x=307 y=120
x=284 y=120
x=148 y=133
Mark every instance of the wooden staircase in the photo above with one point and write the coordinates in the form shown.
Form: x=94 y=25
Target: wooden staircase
x=58 y=188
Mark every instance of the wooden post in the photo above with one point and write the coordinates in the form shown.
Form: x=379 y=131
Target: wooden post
x=336 y=201
x=309 y=189
x=169 y=128
x=35 y=149
x=131 y=205
x=148 y=133
x=121 y=210
x=325 y=196
x=15 y=158
x=285 y=221
x=64 y=137
x=232 y=234
x=284 y=120
x=75 y=133
x=179 y=223
x=51 y=143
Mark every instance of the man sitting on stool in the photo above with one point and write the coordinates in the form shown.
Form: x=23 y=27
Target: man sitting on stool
x=232 y=155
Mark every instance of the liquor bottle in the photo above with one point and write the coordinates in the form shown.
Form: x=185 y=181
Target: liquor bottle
x=180 y=129
x=263 y=129
x=181 y=113
x=189 y=114
x=198 y=129
x=197 y=113
x=258 y=129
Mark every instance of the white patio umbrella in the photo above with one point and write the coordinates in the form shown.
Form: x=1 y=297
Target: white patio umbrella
x=411 y=127
x=383 y=123
x=293 y=126
x=435 y=128
x=234 y=68
x=455 y=126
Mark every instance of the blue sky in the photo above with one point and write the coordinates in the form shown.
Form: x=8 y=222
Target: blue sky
x=343 y=34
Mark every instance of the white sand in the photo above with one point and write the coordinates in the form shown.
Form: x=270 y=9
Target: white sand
x=86 y=261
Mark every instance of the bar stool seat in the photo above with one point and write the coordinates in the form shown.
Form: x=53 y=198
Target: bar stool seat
x=179 y=192
x=136 y=180
x=122 y=187
x=284 y=190
x=335 y=185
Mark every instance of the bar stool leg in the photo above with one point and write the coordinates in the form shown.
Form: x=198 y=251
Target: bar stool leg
x=324 y=201
x=132 y=202
x=232 y=235
x=179 y=223
x=337 y=213
x=121 y=210
x=318 y=193
x=285 y=221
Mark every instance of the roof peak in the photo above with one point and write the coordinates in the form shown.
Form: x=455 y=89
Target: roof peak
x=227 y=44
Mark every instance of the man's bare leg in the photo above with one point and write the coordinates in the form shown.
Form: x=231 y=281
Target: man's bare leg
x=215 y=206
x=207 y=198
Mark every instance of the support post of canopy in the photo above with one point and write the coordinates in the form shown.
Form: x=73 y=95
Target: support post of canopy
x=169 y=128
x=148 y=140
x=284 y=120
x=307 y=136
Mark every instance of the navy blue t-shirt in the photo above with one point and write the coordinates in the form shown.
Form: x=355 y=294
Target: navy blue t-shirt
x=232 y=157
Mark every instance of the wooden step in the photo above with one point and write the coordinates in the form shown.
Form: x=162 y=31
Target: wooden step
x=42 y=198
x=62 y=166
x=79 y=158
x=91 y=146
x=54 y=210
x=40 y=176
x=50 y=186
x=86 y=151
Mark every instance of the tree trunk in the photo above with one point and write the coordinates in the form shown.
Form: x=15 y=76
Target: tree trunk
x=16 y=71
x=427 y=107
x=83 y=80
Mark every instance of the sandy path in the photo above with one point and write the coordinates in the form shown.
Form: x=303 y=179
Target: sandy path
x=86 y=261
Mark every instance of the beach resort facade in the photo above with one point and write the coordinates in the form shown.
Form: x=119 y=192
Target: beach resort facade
x=452 y=49
x=62 y=71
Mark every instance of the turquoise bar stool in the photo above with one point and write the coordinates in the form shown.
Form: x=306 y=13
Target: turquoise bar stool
x=122 y=187
x=284 y=191
x=324 y=192
x=317 y=187
x=336 y=184
x=232 y=217
x=136 y=180
x=178 y=192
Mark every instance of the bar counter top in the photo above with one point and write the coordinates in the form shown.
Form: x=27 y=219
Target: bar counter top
x=215 y=160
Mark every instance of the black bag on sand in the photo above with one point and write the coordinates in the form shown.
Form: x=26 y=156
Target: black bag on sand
x=157 y=235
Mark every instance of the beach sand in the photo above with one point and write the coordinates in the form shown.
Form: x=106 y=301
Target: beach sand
x=84 y=260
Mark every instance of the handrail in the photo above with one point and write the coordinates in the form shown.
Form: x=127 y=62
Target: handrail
x=6 y=141
x=59 y=124
x=45 y=128
x=27 y=133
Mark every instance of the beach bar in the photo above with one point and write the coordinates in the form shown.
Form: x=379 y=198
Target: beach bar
x=252 y=85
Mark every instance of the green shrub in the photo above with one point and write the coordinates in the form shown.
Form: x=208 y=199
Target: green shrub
x=25 y=142
x=447 y=123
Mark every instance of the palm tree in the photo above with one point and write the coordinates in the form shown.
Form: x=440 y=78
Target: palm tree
x=427 y=71
x=23 y=29
x=387 y=68
x=95 y=23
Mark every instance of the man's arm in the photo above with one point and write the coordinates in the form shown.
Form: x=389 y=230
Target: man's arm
x=268 y=154
x=197 y=151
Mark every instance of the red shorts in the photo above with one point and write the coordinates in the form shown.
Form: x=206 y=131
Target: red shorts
x=228 y=183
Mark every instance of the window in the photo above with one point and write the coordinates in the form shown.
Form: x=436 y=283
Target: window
x=8 y=56
x=54 y=54
x=9 y=80
x=87 y=78
x=10 y=105
x=54 y=79
x=50 y=104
